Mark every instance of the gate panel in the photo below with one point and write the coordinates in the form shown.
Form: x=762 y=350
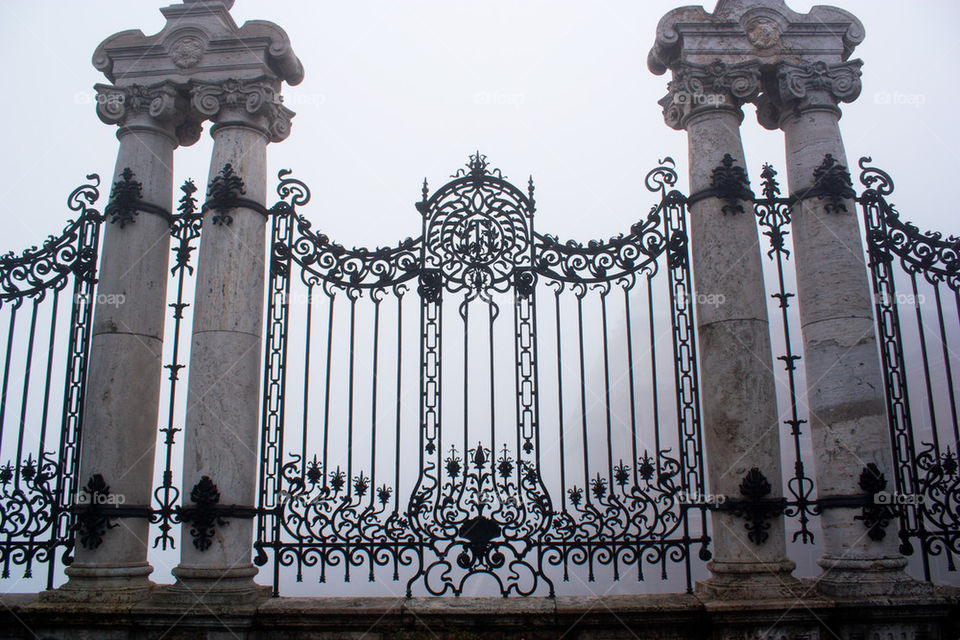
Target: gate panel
x=487 y=409
x=916 y=278
x=46 y=303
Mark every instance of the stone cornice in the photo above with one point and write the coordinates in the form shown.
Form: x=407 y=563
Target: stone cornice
x=698 y=88
x=199 y=42
x=254 y=103
x=740 y=30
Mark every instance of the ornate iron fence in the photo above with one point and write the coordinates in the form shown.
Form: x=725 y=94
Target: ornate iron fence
x=39 y=427
x=484 y=400
x=916 y=280
x=560 y=441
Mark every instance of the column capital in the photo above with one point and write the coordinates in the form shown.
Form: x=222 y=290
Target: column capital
x=158 y=108
x=800 y=87
x=253 y=103
x=701 y=88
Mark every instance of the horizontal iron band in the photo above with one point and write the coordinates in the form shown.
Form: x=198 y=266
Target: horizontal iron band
x=746 y=195
x=816 y=192
x=218 y=510
x=844 y=502
x=146 y=207
x=115 y=510
x=236 y=203
x=740 y=504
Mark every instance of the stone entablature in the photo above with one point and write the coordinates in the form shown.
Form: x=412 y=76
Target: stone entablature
x=744 y=30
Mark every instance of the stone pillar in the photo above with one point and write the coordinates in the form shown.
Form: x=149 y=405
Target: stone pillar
x=741 y=427
x=123 y=384
x=844 y=381
x=223 y=399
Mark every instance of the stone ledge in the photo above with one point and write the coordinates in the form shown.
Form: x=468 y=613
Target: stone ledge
x=647 y=617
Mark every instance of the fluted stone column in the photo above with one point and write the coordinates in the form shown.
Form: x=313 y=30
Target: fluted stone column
x=740 y=422
x=844 y=380
x=123 y=383
x=223 y=393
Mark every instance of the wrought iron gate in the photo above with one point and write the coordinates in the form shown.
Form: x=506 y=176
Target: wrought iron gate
x=555 y=429
x=38 y=476
x=916 y=280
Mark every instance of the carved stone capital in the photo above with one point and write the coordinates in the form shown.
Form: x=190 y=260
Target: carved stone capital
x=698 y=88
x=816 y=85
x=254 y=102
x=155 y=107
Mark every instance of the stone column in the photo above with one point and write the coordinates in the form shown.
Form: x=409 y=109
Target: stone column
x=844 y=382
x=223 y=399
x=123 y=384
x=741 y=427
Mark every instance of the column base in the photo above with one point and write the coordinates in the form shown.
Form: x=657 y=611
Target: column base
x=751 y=581
x=853 y=577
x=211 y=586
x=106 y=584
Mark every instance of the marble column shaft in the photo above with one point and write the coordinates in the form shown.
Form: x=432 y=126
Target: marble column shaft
x=223 y=403
x=738 y=397
x=123 y=388
x=844 y=380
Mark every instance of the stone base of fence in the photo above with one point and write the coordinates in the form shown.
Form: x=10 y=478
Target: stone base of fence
x=645 y=617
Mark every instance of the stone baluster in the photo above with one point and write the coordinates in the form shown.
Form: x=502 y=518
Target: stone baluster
x=220 y=460
x=844 y=382
x=741 y=427
x=123 y=383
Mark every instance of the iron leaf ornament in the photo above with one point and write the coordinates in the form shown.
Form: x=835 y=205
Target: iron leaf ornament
x=832 y=180
x=730 y=183
x=124 y=199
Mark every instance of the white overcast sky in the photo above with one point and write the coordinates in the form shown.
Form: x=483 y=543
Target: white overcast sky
x=399 y=90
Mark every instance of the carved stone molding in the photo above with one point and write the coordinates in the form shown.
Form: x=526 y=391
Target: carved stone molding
x=697 y=88
x=257 y=101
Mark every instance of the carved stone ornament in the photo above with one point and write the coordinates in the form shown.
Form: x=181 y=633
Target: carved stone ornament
x=187 y=51
x=818 y=82
x=713 y=86
x=256 y=98
x=763 y=33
